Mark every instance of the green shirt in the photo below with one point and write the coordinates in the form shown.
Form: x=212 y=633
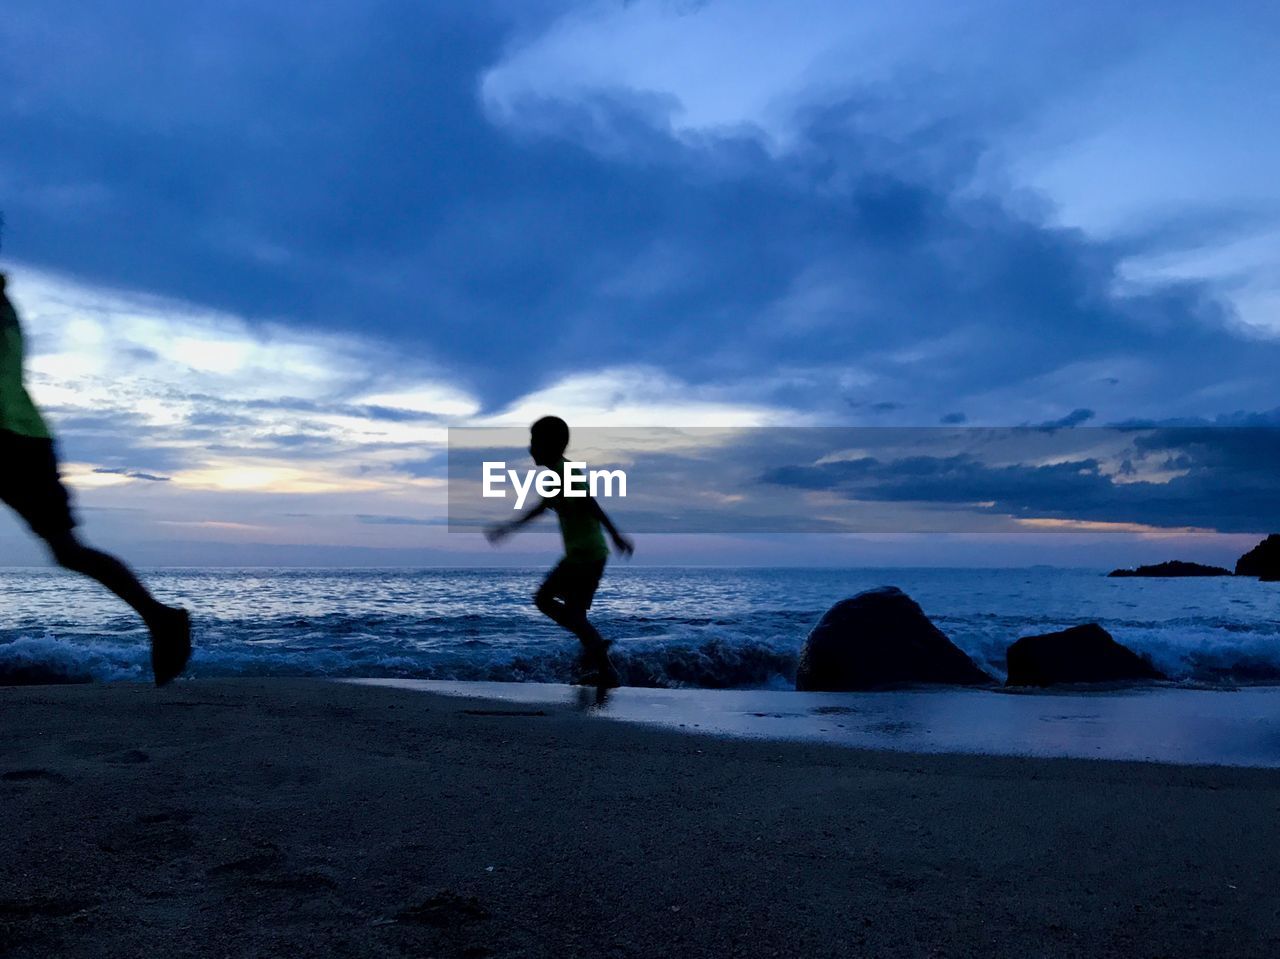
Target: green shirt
x=17 y=413
x=579 y=527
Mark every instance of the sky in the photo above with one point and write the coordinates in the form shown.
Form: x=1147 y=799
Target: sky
x=266 y=255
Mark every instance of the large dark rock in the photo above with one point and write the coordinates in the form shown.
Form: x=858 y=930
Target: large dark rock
x=1174 y=567
x=1081 y=654
x=881 y=638
x=1263 y=561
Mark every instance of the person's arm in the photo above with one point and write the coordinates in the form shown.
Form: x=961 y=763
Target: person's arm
x=620 y=542
x=501 y=531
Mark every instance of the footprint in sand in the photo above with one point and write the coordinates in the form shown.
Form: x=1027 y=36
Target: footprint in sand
x=265 y=870
x=42 y=907
x=504 y=712
x=445 y=910
x=164 y=834
x=266 y=858
x=33 y=775
x=129 y=757
x=313 y=881
x=179 y=816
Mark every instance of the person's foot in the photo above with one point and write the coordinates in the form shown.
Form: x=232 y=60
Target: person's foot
x=602 y=677
x=595 y=667
x=170 y=644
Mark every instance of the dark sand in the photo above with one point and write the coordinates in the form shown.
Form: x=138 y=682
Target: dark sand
x=304 y=818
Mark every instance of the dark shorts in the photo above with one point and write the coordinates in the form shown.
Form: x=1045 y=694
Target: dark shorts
x=30 y=485
x=574 y=581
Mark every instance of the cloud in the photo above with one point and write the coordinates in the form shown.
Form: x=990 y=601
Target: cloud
x=374 y=520
x=282 y=270
x=1210 y=478
x=884 y=479
x=620 y=220
x=771 y=61
x=132 y=474
x=242 y=425
x=1074 y=418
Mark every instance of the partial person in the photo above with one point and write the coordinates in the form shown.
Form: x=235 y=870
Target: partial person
x=569 y=589
x=31 y=486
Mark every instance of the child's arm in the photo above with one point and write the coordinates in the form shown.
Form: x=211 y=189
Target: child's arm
x=501 y=531
x=620 y=542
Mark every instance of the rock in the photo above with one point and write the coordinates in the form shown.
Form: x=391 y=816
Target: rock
x=1081 y=654
x=1263 y=561
x=1173 y=568
x=881 y=638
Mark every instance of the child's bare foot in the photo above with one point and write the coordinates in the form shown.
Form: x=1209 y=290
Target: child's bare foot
x=170 y=644
x=602 y=678
x=597 y=670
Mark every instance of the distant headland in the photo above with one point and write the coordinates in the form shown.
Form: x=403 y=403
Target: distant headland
x=1262 y=562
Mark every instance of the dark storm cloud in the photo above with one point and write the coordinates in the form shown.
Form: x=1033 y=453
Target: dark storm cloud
x=885 y=406
x=1229 y=480
x=377 y=520
x=118 y=442
x=130 y=444
x=293 y=404
x=331 y=165
x=1074 y=418
x=216 y=418
x=133 y=474
x=430 y=466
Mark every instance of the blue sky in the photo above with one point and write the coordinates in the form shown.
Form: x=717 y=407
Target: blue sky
x=266 y=254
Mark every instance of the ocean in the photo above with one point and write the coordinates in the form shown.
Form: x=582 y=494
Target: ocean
x=698 y=627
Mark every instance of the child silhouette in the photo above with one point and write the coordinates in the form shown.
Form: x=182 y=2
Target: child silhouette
x=567 y=592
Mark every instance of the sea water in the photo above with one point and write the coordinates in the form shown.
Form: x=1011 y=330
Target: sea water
x=673 y=627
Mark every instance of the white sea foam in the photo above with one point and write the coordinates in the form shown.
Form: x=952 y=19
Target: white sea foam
x=673 y=627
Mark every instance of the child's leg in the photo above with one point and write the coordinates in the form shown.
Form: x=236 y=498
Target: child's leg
x=571 y=618
x=565 y=596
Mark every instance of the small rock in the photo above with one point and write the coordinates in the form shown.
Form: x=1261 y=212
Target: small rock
x=1081 y=654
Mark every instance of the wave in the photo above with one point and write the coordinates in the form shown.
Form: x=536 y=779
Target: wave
x=699 y=652
x=712 y=664
x=47 y=661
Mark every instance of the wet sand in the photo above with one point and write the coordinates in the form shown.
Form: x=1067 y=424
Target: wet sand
x=1158 y=722
x=307 y=818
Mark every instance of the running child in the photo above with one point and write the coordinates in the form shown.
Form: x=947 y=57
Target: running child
x=566 y=594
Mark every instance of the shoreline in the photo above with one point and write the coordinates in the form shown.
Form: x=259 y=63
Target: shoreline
x=307 y=817
x=707 y=629
x=1159 y=722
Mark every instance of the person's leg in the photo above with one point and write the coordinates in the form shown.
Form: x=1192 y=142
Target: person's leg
x=169 y=626
x=33 y=488
x=564 y=597
x=559 y=599
x=72 y=554
x=571 y=618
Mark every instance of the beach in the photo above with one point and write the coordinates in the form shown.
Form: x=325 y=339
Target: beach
x=288 y=817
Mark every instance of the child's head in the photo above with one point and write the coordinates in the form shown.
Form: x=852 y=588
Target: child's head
x=548 y=439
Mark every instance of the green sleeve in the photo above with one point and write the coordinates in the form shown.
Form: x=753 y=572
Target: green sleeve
x=17 y=413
